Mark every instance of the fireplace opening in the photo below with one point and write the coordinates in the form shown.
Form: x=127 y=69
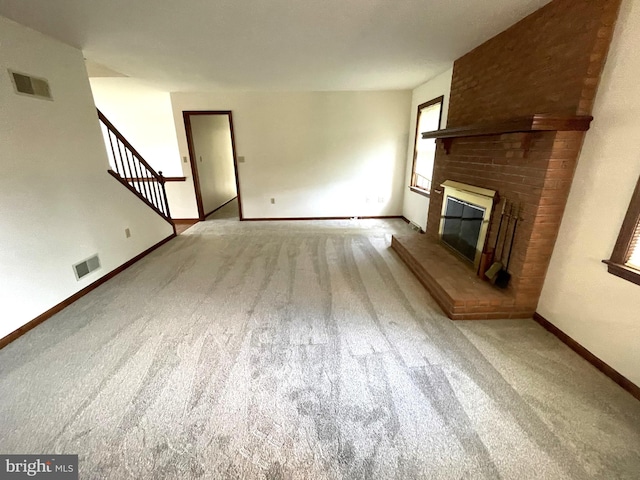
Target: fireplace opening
x=462 y=223
x=466 y=212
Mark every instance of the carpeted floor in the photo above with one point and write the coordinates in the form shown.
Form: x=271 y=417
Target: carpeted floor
x=303 y=350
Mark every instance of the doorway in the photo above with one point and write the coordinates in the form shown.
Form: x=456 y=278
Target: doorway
x=214 y=165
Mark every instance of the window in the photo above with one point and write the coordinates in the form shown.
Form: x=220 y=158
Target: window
x=625 y=259
x=424 y=152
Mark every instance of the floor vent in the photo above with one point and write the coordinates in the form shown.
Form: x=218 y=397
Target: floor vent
x=32 y=86
x=87 y=266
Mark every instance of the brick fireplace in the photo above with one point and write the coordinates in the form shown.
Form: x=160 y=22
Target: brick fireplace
x=519 y=109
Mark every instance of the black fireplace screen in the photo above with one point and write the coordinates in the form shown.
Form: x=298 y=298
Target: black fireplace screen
x=462 y=225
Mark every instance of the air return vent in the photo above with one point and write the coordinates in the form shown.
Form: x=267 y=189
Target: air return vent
x=32 y=86
x=86 y=267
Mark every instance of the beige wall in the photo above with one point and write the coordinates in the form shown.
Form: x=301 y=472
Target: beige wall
x=597 y=309
x=318 y=154
x=416 y=206
x=58 y=205
x=144 y=116
x=213 y=151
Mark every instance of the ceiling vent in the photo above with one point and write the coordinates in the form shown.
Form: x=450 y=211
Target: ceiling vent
x=87 y=266
x=32 y=86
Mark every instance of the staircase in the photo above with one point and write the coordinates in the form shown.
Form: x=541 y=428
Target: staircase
x=131 y=170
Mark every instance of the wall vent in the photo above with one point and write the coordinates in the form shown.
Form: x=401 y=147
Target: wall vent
x=415 y=226
x=86 y=266
x=32 y=86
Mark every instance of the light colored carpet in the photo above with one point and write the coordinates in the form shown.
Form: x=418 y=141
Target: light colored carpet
x=303 y=350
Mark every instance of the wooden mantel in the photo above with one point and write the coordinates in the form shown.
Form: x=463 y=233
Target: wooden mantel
x=541 y=122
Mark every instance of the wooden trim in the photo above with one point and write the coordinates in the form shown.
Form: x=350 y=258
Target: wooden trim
x=620 y=254
x=235 y=166
x=135 y=192
x=623 y=271
x=610 y=372
x=278 y=219
x=185 y=221
x=194 y=166
x=166 y=179
x=405 y=219
x=218 y=208
x=186 y=114
x=76 y=296
x=532 y=123
x=206 y=112
x=420 y=191
x=431 y=102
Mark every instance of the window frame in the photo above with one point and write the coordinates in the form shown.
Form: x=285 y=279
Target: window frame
x=616 y=265
x=412 y=182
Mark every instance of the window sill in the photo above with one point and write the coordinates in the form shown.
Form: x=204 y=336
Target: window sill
x=622 y=271
x=420 y=191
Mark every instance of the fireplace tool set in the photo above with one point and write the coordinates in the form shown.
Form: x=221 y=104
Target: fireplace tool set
x=498 y=272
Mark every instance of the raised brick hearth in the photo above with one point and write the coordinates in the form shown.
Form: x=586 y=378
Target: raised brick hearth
x=454 y=285
x=548 y=63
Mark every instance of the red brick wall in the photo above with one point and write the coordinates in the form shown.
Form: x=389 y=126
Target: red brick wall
x=549 y=62
x=538 y=181
x=495 y=162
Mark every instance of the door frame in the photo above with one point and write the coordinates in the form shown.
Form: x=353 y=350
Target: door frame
x=186 y=115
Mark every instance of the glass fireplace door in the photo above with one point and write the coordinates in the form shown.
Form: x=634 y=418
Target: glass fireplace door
x=461 y=228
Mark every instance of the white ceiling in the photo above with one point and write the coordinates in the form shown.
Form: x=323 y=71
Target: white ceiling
x=188 y=45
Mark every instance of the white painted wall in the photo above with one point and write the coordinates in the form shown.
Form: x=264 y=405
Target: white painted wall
x=144 y=116
x=597 y=309
x=182 y=197
x=319 y=154
x=416 y=206
x=213 y=150
x=58 y=205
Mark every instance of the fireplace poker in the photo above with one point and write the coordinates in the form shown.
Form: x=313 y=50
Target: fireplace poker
x=488 y=256
x=503 y=277
x=497 y=264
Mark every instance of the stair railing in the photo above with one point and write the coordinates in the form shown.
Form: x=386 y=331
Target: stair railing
x=133 y=171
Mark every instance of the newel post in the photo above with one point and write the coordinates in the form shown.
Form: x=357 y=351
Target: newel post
x=164 y=193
